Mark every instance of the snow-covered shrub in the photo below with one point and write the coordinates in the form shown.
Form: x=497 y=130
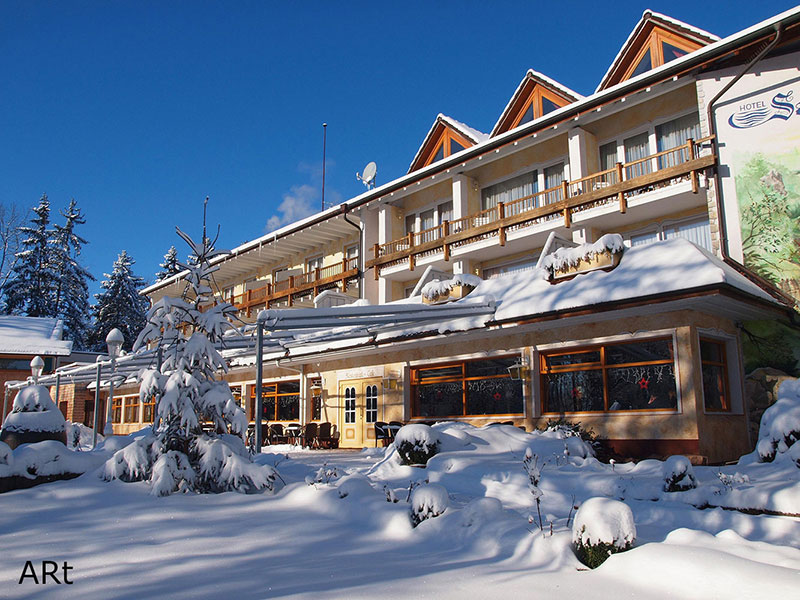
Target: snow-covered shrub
x=324 y=474
x=602 y=527
x=416 y=444
x=79 y=435
x=531 y=465
x=6 y=455
x=183 y=456
x=678 y=474
x=427 y=502
x=597 y=446
x=780 y=423
x=794 y=454
x=33 y=418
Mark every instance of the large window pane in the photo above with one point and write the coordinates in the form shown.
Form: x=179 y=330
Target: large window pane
x=511 y=190
x=636 y=148
x=548 y=106
x=697 y=232
x=639 y=352
x=440 y=399
x=577 y=358
x=642 y=388
x=671 y=52
x=553 y=176
x=645 y=64
x=712 y=357
x=574 y=391
x=673 y=134
x=497 y=396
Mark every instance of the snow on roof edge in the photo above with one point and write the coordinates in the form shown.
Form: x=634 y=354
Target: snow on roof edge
x=470 y=132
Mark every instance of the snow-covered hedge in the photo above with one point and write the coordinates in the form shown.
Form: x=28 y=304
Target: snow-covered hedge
x=416 y=444
x=678 y=474
x=602 y=527
x=427 y=502
x=780 y=423
x=40 y=462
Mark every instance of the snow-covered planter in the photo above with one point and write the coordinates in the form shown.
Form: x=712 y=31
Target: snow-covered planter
x=602 y=527
x=436 y=291
x=780 y=423
x=416 y=444
x=605 y=253
x=33 y=418
x=678 y=474
x=427 y=502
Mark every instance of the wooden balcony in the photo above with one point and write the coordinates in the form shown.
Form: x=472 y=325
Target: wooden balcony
x=553 y=204
x=311 y=283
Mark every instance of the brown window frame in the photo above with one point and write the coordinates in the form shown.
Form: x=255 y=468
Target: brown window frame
x=654 y=44
x=116 y=410
x=149 y=409
x=601 y=365
x=416 y=381
x=726 y=394
x=265 y=393
x=131 y=412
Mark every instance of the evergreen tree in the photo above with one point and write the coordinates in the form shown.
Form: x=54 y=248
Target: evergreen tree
x=30 y=290
x=170 y=266
x=71 y=288
x=119 y=305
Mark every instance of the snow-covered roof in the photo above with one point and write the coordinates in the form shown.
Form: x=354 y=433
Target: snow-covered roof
x=33 y=336
x=647 y=16
x=540 y=78
x=472 y=134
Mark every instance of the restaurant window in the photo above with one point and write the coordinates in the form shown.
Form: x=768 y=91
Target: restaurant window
x=715 y=375
x=149 y=409
x=466 y=388
x=609 y=377
x=116 y=410
x=132 y=409
x=281 y=401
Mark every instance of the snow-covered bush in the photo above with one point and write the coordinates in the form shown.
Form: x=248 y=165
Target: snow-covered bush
x=780 y=423
x=531 y=465
x=596 y=446
x=6 y=455
x=427 y=502
x=416 y=444
x=33 y=418
x=678 y=474
x=602 y=527
x=79 y=435
x=324 y=474
x=182 y=456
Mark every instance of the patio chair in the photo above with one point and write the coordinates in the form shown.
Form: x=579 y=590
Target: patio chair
x=382 y=433
x=277 y=435
x=293 y=433
x=393 y=427
x=310 y=439
x=325 y=437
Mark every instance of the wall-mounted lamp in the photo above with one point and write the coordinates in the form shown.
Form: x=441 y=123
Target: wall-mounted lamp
x=518 y=370
x=390 y=381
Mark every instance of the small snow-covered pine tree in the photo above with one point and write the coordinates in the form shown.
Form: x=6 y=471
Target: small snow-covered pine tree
x=180 y=456
x=30 y=290
x=170 y=266
x=119 y=305
x=72 y=288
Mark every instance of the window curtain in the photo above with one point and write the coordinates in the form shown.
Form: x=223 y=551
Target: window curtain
x=673 y=134
x=510 y=190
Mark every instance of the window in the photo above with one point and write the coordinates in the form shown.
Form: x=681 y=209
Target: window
x=671 y=52
x=673 y=134
x=316 y=399
x=455 y=146
x=518 y=266
x=149 y=409
x=479 y=387
x=445 y=211
x=281 y=401
x=507 y=192
x=132 y=409
x=116 y=410
x=350 y=405
x=645 y=64
x=715 y=375
x=548 y=106
x=411 y=221
x=312 y=264
x=371 y=399
x=609 y=377
x=428 y=220
x=637 y=148
x=553 y=176
x=696 y=230
x=527 y=116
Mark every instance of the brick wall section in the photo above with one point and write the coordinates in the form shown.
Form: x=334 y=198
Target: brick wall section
x=80 y=403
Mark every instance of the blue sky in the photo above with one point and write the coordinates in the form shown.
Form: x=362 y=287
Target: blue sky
x=139 y=110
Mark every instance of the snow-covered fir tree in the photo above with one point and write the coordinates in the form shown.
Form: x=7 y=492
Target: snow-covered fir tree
x=71 y=290
x=170 y=266
x=180 y=456
x=30 y=288
x=119 y=305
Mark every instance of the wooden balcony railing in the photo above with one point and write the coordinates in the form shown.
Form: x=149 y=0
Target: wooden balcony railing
x=288 y=290
x=558 y=202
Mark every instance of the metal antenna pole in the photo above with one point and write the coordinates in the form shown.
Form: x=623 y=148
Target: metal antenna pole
x=96 y=405
x=205 y=206
x=259 y=386
x=324 y=144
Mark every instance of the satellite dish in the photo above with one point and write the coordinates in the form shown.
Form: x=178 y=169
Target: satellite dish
x=368 y=178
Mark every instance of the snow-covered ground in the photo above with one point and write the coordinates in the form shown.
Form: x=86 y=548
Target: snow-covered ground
x=339 y=537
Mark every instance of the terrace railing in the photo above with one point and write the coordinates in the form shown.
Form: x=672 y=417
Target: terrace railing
x=558 y=202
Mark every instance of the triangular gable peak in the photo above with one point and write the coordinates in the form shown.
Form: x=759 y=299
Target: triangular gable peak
x=446 y=137
x=656 y=40
x=535 y=96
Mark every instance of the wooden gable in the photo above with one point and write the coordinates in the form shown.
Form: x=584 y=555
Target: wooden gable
x=442 y=140
x=535 y=97
x=655 y=40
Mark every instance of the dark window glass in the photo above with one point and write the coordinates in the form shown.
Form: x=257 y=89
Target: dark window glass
x=371 y=400
x=639 y=352
x=289 y=387
x=712 y=357
x=644 y=65
x=671 y=52
x=578 y=358
x=574 y=391
x=350 y=405
x=455 y=146
x=449 y=371
x=494 y=396
x=642 y=388
x=548 y=106
x=439 y=154
x=528 y=116
x=440 y=399
x=489 y=368
x=288 y=408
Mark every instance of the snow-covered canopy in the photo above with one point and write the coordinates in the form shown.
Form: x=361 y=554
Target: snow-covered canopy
x=33 y=336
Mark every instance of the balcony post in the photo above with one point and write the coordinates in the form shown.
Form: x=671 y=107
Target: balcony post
x=376 y=249
x=411 y=251
x=501 y=214
x=623 y=203
x=693 y=174
x=445 y=233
